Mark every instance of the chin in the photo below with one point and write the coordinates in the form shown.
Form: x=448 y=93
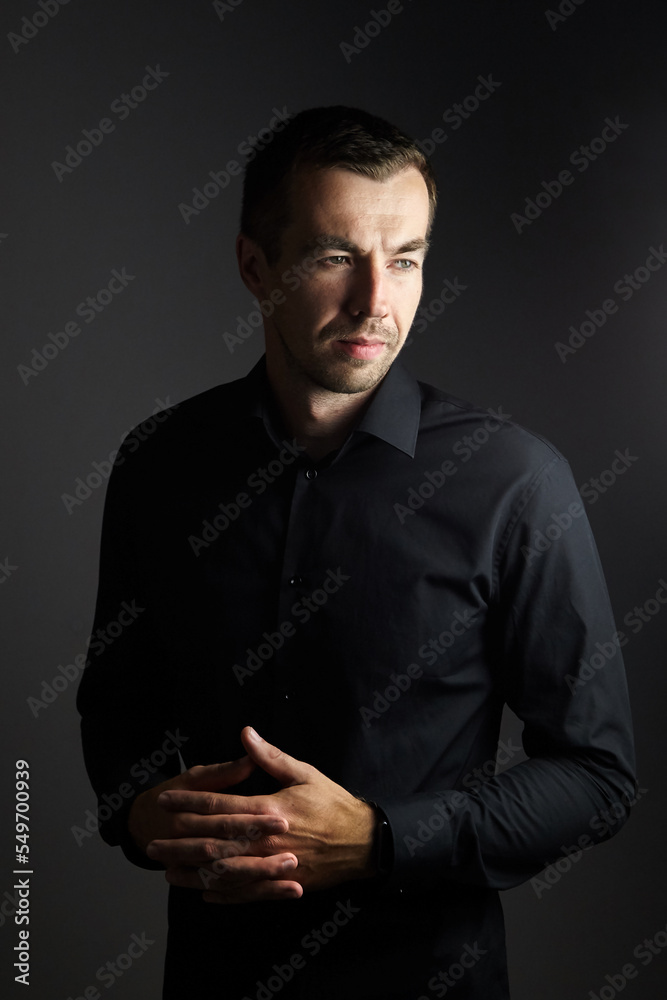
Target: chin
x=352 y=377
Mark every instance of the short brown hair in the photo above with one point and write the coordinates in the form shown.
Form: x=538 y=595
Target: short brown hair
x=319 y=138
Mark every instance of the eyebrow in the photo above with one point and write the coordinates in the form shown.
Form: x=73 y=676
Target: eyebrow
x=329 y=241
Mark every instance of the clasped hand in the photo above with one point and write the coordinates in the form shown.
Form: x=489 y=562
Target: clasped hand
x=310 y=834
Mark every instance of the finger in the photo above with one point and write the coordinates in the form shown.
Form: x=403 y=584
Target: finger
x=288 y=770
x=218 y=875
x=223 y=827
x=216 y=803
x=193 y=851
x=218 y=776
x=255 y=892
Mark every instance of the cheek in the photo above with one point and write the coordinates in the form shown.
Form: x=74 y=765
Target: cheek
x=317 y=301
x=299 y=312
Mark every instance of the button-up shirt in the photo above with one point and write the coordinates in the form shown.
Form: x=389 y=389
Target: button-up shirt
x=370 y=613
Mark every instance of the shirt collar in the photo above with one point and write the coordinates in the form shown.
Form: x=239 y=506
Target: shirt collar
x=393 y=415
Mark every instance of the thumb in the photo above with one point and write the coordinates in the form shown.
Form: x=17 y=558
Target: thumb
x=287 y=770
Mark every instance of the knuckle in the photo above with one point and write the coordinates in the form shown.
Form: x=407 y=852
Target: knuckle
x=272 y=845
x=272 y=808
x=209 y=803
x=210 y=850
x=193 y=775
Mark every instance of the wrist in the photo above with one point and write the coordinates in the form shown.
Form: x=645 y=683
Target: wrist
x=383 y=844
x=379 y=852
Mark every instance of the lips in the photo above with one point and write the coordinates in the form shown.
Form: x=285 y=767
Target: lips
x=365 y=350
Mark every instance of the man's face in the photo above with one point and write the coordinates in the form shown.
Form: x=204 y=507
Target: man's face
x=351 y=273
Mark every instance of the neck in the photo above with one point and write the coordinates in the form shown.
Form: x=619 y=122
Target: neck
x=318 y=418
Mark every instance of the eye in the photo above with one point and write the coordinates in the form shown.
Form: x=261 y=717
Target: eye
x=406 y=265
x=335 y=260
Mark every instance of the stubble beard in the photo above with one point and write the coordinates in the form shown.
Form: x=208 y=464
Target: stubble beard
x=343 y=374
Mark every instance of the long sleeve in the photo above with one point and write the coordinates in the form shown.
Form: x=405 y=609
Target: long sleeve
x=552 y=633
x=130 y=740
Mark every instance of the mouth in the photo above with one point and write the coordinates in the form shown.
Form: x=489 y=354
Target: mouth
x=363 y=348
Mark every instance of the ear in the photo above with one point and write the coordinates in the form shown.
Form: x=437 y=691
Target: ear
x=252 y=266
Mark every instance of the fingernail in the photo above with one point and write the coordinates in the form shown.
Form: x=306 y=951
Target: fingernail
x=151 y=851
x=289 y=865
x=252 y=735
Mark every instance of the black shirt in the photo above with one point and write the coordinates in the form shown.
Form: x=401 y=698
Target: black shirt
x=371 y=614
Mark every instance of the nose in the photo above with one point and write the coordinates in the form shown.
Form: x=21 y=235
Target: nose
x=369 y=292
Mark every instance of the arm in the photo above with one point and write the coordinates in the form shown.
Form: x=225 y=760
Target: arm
x=551 y=614
x=126 y=716
x=128 y=720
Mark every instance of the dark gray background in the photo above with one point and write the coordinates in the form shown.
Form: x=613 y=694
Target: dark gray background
x=161 y=338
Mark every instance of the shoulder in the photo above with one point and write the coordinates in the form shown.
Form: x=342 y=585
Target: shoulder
x=191 y=422
x=161 y=453
x=491 y=433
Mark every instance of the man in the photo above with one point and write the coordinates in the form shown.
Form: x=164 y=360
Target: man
x=365 y=570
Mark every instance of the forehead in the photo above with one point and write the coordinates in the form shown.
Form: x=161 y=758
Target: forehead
x=335 y=200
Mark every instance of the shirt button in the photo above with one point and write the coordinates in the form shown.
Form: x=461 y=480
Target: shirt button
x=296 y=581
x=311 y=473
